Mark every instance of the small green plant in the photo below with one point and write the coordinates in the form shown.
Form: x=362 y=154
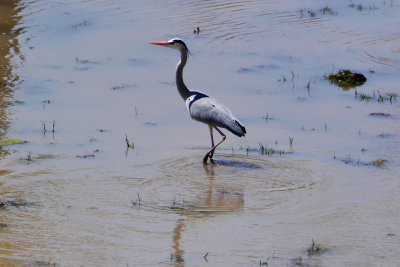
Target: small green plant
x=378 y=162
x=315 y=249
x=327 y=10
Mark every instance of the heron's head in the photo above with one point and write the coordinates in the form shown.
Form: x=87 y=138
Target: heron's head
x=175 y=43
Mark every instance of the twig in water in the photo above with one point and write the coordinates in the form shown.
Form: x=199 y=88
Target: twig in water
x=128 y=144
x=44 y=127
x=291 y=141
x=137 y=202
x=136 y=111
x=205 y=257
x=308 y=86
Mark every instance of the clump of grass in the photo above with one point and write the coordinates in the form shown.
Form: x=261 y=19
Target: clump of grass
x=376 y=96
x=265 y=150
x=83 y=23
x=387 y=97
x=350 y=161
x=315 y=249
x=377 y=163
x=379 y=114
x=86 y=156
x=312 y=13
x=363 y=97
x=327 y=10
x=361 y=8
x=299 y=262
x=347 y=79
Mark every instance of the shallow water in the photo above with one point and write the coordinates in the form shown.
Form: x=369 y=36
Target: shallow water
x=78 y=196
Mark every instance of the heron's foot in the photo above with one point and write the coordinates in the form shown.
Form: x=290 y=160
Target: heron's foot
x=206 y=157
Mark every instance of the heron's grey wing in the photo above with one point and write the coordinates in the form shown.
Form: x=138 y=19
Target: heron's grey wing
x=209 y=111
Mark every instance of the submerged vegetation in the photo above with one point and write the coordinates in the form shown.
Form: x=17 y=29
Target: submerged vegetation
x=313 y=13
x=380 y=162
x=266 y=150
x=15 y=203
x=376 y=96
x=347 y=79
x=315 y=249
x=379 y=114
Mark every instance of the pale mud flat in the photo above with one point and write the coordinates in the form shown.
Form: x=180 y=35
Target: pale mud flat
x=78 y=197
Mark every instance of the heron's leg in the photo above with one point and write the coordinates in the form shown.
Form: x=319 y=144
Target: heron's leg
x=212 y=144
x=212 y=137
x=211 y=152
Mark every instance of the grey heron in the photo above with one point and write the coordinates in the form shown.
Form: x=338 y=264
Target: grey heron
x=201 y=107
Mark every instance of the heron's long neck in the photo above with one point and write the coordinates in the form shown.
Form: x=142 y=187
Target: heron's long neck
x=182 y=89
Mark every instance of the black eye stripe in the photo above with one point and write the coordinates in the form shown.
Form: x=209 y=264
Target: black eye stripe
x=180 y=42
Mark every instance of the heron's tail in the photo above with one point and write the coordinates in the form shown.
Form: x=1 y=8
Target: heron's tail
x=238 y=129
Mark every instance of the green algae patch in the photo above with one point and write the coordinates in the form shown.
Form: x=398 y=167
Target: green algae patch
x=347 y=79
x=11 y=142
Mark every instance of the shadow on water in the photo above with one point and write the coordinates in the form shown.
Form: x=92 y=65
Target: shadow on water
x=235 y=162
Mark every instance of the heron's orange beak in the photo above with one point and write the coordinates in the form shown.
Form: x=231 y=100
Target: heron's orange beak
x=159 y=43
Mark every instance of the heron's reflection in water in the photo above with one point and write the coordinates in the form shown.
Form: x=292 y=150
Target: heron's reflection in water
x=218 y=199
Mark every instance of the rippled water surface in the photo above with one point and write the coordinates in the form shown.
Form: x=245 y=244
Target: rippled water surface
x=315 y=182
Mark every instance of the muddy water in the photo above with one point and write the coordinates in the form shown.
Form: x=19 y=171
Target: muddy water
x=78 y=196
